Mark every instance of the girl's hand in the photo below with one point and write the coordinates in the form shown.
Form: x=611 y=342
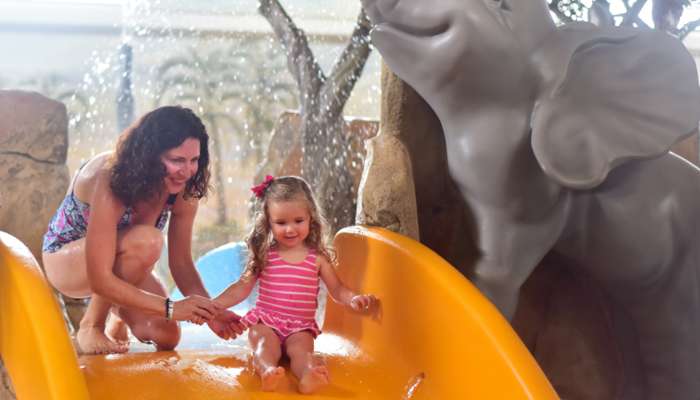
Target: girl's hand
x=196 y=309
x=227 y=325
x=363 y=302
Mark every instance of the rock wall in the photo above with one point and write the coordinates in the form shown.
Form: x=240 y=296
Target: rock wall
x=33 y=171
x=689 y=149
x=386 y=196
x=444 y=223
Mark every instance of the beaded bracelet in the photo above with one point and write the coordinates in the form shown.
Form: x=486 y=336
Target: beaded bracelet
x=168 y=308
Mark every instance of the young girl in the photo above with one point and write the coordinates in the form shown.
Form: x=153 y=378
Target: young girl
x=287 y=254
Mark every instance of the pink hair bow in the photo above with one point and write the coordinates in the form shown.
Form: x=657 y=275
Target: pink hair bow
x=259 y=190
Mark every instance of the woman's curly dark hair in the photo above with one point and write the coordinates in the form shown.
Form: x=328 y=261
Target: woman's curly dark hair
x=137 y=171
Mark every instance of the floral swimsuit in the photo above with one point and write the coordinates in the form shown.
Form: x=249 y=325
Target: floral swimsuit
x=71 y=220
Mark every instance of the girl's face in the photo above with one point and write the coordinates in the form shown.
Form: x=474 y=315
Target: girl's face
x=289 y=222
x=181 y=164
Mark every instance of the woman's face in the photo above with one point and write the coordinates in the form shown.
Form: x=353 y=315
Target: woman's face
x=180 y=164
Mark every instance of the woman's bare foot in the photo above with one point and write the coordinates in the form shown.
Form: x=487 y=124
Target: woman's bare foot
x=92 y=340
x=271 y=378
x=117 y=329
x=314 y=378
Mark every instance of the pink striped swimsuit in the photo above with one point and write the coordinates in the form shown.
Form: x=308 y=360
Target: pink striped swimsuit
x=287 y=296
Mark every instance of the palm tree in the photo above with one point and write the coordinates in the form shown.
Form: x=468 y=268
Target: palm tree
x=217 y=84
x=268 y=90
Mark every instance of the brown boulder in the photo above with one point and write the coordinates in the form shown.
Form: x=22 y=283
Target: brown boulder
x=386 y=196
x=688 y=149
x=33 y=171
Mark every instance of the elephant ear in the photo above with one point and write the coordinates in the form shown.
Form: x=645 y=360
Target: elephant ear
x=610 y=96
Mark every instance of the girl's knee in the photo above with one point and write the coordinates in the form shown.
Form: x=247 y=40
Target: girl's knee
x=295 y=351
x=144 y=243
x=300 y=344
x=163 y=333
x=264 y=339
x=261 y=333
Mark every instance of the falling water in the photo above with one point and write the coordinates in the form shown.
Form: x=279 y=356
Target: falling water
x=219 y=58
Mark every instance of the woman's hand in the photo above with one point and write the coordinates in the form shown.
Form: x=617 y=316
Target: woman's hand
x=196 y=309
x=363 y=302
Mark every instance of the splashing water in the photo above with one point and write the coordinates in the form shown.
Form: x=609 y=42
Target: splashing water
x=412 y=386
x=219 y=58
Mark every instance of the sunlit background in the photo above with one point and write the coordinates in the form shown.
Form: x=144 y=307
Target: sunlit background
x=218 y=57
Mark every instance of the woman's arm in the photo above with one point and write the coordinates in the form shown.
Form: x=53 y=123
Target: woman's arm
x=101 y=250
x=182 y=266
x=339 y=292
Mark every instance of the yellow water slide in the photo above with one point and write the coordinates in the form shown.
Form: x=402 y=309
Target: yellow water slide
x=434 y=337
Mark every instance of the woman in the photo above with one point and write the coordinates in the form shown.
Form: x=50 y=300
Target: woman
x=106 y=236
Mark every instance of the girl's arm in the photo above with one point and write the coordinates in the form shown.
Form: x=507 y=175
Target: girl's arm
x=236 y=292
x=340 y=293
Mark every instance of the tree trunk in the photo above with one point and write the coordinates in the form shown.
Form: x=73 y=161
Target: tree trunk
x=324 y=145
x=324 y=164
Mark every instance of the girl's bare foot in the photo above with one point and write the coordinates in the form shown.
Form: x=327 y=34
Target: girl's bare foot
x=271 y=378
x=117 y=330
x=314 y=378
x=92 y=340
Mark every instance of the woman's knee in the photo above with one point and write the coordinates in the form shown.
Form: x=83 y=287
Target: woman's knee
x=165 y=334
x=142 y=242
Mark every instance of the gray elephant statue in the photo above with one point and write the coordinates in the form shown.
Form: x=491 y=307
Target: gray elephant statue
x=558 y=139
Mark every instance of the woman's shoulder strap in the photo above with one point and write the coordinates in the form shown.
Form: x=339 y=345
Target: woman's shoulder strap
x=171 y=199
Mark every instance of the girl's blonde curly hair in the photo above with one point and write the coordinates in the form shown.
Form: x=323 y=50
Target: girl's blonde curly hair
x=259 y=240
